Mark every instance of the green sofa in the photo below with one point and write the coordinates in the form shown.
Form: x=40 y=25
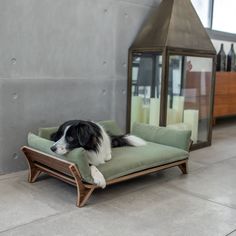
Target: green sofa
x=165 y=148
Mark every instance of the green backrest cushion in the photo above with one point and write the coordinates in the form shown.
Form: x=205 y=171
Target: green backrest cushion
x=109 y=125
x=162 y=135
x=46 y=132
x=77 y=156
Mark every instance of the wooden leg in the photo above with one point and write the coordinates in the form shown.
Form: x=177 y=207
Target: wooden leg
x=83 y=193
x=83 y=197
x=184 y=168
x=34 y=172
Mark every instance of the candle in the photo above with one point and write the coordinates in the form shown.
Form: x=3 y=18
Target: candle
x=178 y=105
x=136 y=109
x=145 y=113
x=154 y=111
x=171 y=116
x=191 y=119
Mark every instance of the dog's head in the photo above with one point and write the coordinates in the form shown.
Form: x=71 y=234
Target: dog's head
x=75 y=134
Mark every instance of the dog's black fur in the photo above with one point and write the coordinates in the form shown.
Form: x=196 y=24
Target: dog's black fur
x=86 y=134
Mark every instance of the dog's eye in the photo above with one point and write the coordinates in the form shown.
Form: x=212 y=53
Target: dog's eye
x=70 y=138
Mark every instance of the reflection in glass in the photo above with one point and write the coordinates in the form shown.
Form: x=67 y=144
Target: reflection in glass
x=146 y=87
x=189 y=93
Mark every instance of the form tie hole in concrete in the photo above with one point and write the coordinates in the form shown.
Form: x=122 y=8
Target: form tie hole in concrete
x=104 y=62
x=13 y=61
x=104 y=91
x=105 y=11
x=15 y=156
x=15 y=96
x=126 y=15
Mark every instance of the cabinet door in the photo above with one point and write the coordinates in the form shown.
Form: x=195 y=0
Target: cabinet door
x=225 y=94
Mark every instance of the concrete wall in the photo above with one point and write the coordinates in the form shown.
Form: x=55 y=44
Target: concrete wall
x=60 y=60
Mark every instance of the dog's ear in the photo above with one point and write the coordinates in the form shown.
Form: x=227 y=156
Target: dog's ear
x=84 y=133
x=59 y=133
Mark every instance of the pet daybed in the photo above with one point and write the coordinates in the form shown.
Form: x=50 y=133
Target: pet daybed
x=165 y=148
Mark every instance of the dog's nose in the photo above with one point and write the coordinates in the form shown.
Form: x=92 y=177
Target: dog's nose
x=53 y=148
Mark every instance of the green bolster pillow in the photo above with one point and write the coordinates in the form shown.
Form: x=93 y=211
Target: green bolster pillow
x=77 y=156
x=162 y=135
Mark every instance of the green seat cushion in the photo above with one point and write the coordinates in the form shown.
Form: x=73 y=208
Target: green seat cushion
x=126 y=160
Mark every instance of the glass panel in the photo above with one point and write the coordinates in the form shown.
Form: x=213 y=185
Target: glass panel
x=224 y=16
x=189 y=95
x=146 y=88
x=202 y=8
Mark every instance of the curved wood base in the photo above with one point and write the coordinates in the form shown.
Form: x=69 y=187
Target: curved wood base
x=68 y=172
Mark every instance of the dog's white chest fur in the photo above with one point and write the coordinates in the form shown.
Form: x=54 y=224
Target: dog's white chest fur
x=104 y=150
x=97 y=158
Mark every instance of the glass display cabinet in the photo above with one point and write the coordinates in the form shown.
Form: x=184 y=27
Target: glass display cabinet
x=171 y=72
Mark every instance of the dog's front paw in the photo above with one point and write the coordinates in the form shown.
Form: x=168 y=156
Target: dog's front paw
x=108 y=157
x=98 y=178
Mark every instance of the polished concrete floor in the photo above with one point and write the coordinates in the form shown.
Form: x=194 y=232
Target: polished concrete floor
x=168 y=203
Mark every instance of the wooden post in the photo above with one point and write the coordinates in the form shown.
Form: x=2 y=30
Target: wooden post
x=34 y=172
x=184 y=168
x=83 y=193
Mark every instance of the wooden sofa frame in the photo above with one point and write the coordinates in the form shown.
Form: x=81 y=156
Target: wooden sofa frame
x=68 y=172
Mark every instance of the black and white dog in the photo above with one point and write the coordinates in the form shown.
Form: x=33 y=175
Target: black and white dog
x=94 y=139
